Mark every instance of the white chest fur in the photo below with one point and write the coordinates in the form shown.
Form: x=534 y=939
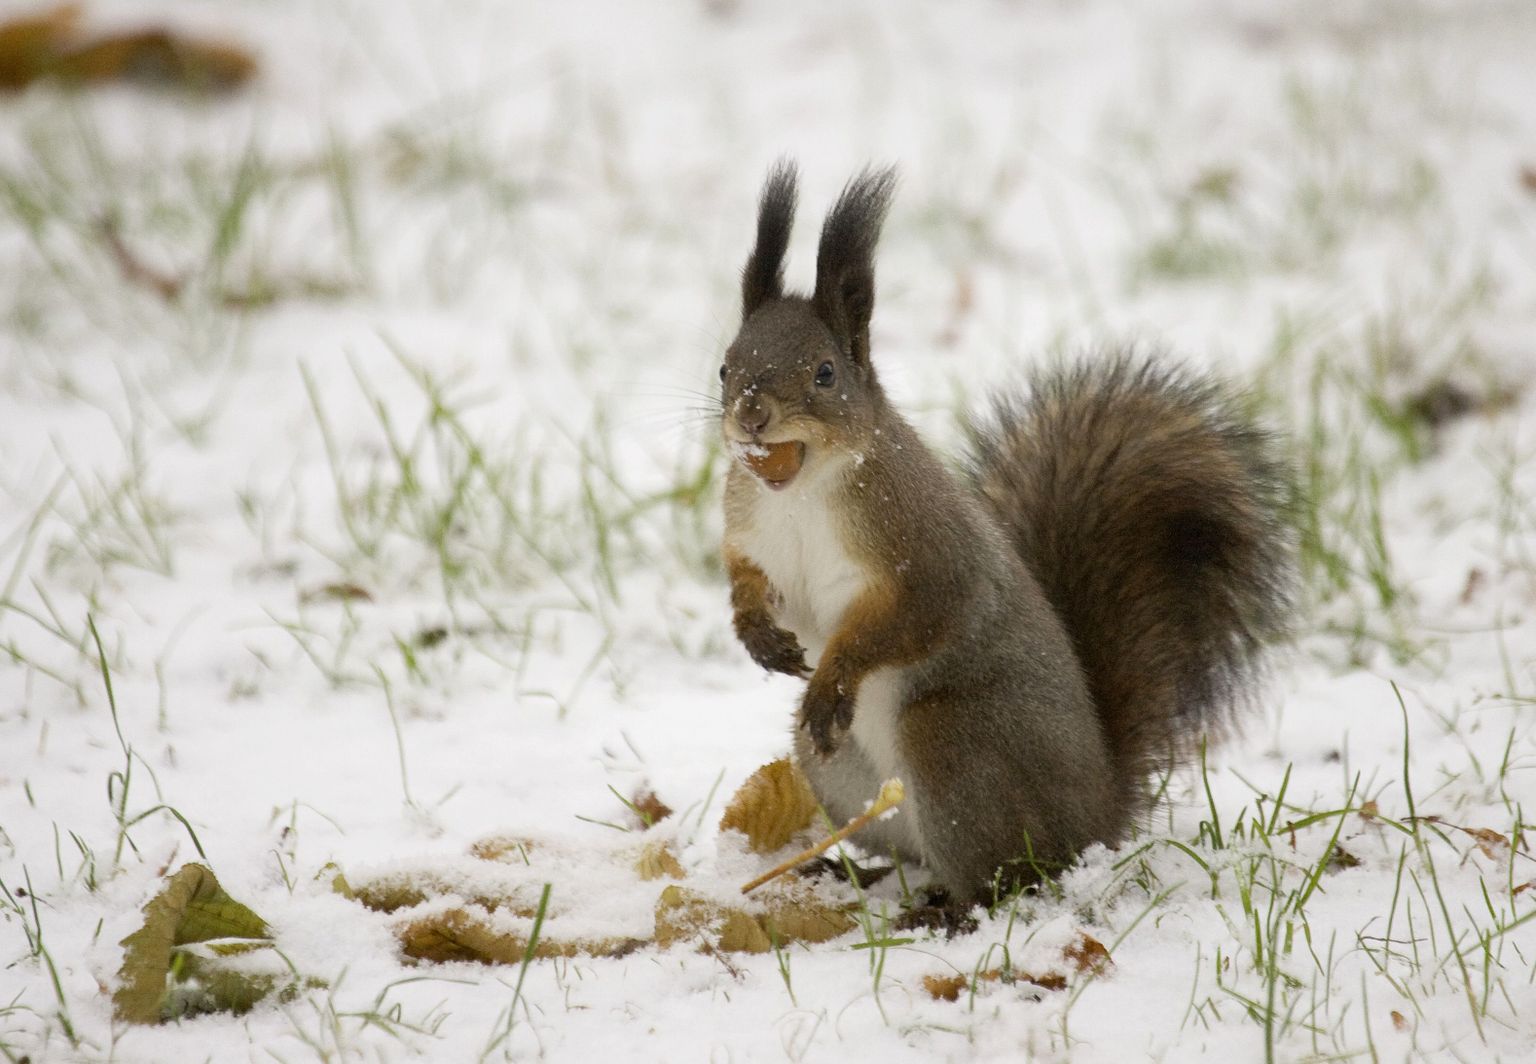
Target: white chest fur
x=795 y=537
x=801 y=546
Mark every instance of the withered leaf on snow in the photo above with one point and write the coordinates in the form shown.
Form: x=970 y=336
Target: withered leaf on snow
x=396 y=891
x=949 y=987
x=52 y=44
x=472 y=933
x=771 y=806
x=512 y=849
x=687 y=916
x=1087 y=953
x=649 y=808
x=656 y=860
x=1492 y=843
x=161 y=978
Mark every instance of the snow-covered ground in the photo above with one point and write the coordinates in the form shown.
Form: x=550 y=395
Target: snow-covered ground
x=398 y=524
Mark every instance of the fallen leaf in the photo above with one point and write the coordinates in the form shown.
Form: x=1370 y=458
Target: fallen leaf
x=510 y=849
x=892 y=794
x=656 y=860
x=1444 y=401
x=382 y=896
x=471 y=933
x=29 y=45
x=192 y=908
x=1049 y=981
x=806 y=922
x=1489 y=841
x=773 y=804
x=339 y=592
x=50 y=45
x=1341 y=859
x=401 y=890
x=651 y=809
x=338 y=881
x=948 y=987
x=684 y=915
x=1086 y=953
x=944 y=987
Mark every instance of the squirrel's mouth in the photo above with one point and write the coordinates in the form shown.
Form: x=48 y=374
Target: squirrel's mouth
x=775 y=464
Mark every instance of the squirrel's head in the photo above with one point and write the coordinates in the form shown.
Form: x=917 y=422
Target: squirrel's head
x=798 y=375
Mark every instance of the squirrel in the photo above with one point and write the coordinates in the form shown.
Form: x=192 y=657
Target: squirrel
x=1025 y=643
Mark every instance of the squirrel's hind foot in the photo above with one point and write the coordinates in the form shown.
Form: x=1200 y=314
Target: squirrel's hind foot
x=847 y=870
x=938 y=911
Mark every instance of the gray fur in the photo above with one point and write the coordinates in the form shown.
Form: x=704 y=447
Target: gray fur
x=1092 y=600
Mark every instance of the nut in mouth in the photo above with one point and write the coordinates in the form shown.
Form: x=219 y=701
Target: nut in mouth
x=775 y=464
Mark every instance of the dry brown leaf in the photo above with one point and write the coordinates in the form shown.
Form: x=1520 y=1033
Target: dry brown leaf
x=50 y=44
x=685 y=916
x=1342 y=859
x=892 y=794
x=30 y=45
x=385 y=896
x=158 y=58
x=468 y=934
x=739 y=933
x=651 y=809
x=795 y=921
x=398 y=891
x=944 y=987
x=1489 y=841
x=1369 y=810
x=656 y=860
x=948 y=987
x=773 y=804
x=1399 y=1020
x=1086 y=953
x=510 y=849
x=337 y=592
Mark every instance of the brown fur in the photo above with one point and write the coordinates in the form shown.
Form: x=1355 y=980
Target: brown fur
x=770 y=646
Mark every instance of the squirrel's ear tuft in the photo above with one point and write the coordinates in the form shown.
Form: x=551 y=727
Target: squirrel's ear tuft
x=845 y=261
x=762 y=278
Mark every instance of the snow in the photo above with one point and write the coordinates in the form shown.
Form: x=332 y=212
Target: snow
x=423 y=550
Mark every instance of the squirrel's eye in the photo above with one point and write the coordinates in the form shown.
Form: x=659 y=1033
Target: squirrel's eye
x=824 y=375
x=722 y=373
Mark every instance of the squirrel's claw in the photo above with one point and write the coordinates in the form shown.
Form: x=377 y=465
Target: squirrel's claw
x=938 y=911
x=773 y=648
x=827 y=713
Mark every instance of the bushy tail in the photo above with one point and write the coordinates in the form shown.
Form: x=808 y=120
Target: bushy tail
x=1152 y=512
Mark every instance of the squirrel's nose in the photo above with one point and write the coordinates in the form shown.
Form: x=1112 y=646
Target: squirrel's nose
x=753 y=417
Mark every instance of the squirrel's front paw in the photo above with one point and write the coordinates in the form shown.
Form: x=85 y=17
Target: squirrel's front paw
x=827 y=713
x=773 y=648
